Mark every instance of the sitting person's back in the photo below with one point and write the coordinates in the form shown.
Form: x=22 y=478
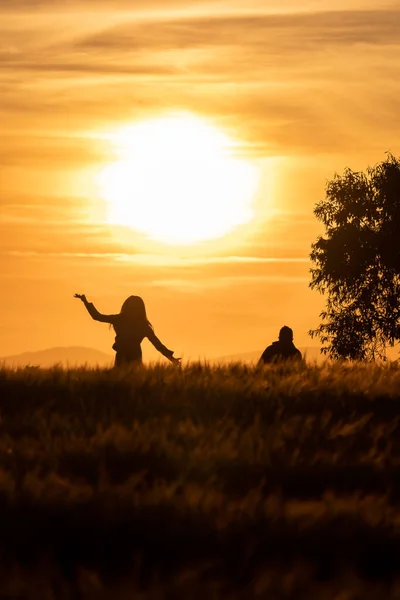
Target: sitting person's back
x=281 y=351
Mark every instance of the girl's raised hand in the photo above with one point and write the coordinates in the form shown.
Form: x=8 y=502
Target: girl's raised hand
x=81 y=297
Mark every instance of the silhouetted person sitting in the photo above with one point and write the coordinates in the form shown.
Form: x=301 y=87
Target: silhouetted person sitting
x=131 y=326
x=281 y=351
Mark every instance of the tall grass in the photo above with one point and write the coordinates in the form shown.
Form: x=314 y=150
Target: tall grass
x=204 y=481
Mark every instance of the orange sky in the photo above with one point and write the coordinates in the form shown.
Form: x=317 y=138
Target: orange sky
x=307 y=92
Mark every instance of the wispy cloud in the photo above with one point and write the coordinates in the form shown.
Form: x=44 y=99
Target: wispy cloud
x=157 y=274
x=269 y=34
x=227 y=282
x=158 y=260
x=298 y=81
x=262 y=44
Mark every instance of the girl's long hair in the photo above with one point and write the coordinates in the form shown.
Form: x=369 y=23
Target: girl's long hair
x=133 y=311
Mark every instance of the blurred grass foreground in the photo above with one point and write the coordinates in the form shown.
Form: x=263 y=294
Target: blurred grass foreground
x=204 y=482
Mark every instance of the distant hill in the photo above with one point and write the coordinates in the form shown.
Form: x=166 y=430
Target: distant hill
x=70 y=356
x=311 y=354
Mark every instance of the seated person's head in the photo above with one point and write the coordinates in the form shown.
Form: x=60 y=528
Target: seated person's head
x=286 y=335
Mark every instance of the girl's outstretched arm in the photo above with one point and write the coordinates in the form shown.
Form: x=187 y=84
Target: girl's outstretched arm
x=161 y=348
x=93 y=312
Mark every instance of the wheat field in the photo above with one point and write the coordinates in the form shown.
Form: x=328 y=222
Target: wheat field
x=200 y=482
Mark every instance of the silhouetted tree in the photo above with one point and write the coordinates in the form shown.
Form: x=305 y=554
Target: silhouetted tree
x=357 y=262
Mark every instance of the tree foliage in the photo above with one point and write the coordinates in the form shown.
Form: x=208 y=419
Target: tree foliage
x=357 y=262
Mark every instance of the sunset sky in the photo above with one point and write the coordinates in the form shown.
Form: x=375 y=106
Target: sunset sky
x=298 y=92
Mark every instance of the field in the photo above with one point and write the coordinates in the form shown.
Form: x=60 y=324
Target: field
x=204 y=482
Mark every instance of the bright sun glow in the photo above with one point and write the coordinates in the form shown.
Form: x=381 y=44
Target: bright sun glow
x=177 y=181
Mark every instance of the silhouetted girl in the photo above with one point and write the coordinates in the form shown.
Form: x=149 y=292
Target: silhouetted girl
x=131 y=326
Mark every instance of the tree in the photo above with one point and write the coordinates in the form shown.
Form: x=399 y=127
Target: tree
x=357 y=262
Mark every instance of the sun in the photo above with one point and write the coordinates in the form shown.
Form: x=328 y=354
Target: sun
x=177 y=180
